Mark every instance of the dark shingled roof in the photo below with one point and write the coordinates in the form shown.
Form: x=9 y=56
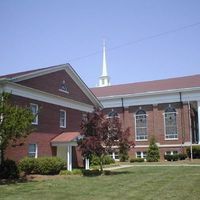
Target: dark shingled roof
x=148 y=86
x=26 y=72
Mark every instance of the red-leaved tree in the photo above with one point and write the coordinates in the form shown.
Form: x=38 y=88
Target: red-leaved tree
x=100 y=134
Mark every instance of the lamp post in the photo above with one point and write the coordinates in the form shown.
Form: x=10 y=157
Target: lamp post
x=189 y=116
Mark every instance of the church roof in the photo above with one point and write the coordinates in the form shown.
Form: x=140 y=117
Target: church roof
x=13 y=75
x=148 y=86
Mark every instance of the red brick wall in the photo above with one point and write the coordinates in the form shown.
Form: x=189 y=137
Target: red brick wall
x=48 y=117
x=155 y=124
x=51 y=82
x=46 y=130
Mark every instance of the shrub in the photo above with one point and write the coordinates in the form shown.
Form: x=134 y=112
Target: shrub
x=137 y=160
x=42 y=165
x=182 y=156
x=49 y=165
x=9 y=170
x=95 y=160
x=123 y=157
x=195 y=152
x=27 y=165
x=153 y=151
x=174 y=157
x=107 y=160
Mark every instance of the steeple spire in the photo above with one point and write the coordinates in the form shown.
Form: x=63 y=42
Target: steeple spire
x=104 y=79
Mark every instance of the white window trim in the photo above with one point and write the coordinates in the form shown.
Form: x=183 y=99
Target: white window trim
x=142 y=154
x=165 y=127
x=113 y=156
x=171 y=152
x=65 y=91
x=36 y=116
x=36 y=150
x=65 y=119
x=138 y=140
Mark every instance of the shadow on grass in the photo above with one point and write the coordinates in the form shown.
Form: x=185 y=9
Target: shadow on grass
x=94 y=173
x=13 y=181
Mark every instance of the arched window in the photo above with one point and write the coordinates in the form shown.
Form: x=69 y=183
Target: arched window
x=113 y=114
x=141 y=125
x=170 y=123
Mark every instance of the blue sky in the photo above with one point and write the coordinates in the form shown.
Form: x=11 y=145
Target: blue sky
x=42 y=33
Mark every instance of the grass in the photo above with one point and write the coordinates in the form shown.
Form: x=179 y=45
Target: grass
x=145 y=183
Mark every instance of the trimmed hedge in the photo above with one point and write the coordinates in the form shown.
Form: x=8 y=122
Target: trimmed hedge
x=137 y=160
x=107 y=160
x=182 y=156
x=27 y=165
x=175 y=157
x=42 y=165
x=9 y=170
x=195 y=152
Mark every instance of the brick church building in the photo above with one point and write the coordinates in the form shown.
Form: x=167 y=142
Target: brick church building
x=59 y=99
x=168 y=109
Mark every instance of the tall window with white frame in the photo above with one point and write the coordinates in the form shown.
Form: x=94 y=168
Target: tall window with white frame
x=62 y=119
x=170 y=119
x=34 y=110
x=33 y=150
x=141 y=125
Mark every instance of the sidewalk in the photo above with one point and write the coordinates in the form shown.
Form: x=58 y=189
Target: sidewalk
x=152 y=165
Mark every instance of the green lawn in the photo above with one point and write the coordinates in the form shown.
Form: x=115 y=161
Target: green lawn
x=137 y=183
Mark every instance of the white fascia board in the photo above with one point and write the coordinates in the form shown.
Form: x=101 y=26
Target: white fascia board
x=192 y=95
x=83 y=86
x=68 y=68
x=39 y=72
x=172 y=91
x=72 y=143
x=38 y=95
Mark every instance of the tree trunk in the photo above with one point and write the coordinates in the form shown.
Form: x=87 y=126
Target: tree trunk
x=101 y=163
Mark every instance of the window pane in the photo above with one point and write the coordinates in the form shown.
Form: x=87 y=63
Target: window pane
x=138 y=154
x=32 y=149
x=62 y=118
x=34 y=110
x=170 y=124
x=141 y=125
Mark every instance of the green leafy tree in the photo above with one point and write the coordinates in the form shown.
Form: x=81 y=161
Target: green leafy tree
x=153 y=154
x=15 y=122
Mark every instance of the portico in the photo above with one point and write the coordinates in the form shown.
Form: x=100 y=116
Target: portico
x=65 y=143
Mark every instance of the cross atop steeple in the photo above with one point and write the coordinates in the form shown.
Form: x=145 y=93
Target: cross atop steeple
x=104 y=79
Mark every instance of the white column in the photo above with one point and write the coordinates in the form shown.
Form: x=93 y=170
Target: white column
x=69 y=158
x=87 y=163
x=198 y=108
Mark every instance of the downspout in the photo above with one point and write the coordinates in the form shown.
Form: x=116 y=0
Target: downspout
x=182 y=119
x=122 y=101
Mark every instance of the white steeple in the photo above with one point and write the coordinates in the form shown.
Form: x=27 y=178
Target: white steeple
x=104 y=79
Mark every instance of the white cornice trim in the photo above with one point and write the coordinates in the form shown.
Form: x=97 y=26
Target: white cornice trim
x=68 y=68
x=38 y=95
x=189 y=94
x=151 y=93
x=71 y=143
